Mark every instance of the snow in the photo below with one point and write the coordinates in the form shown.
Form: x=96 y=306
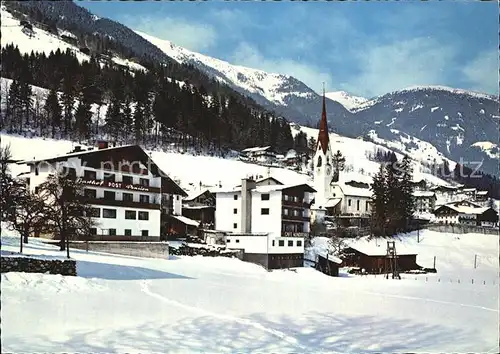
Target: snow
x=488 y=147
x=186 y=221
x=205 y=304
x=272 y=86
x=350 y=102
x=43 y=41
x=450 y=89
x=434 y=109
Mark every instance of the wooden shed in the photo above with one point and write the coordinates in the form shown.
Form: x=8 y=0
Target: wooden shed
x=376 y=261
x=328 y=264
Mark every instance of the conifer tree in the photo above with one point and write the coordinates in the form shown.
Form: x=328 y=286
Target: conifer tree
x=53 y=111
x=338 y=163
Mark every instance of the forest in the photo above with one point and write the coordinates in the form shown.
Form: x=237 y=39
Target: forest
x=143 y=107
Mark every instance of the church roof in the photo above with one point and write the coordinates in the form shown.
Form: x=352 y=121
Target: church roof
x=323 y=138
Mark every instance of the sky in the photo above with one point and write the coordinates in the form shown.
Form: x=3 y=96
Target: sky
x=364 y=48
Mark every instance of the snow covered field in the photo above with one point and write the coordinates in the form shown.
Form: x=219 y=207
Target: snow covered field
x=124 y=304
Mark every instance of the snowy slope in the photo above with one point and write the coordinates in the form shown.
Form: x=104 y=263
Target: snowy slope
x=270 y=85
x=45 y=42
x=350 y=102
x=360 y=168
x=204 y=304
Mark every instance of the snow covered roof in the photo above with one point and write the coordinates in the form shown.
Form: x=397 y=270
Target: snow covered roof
x=465 y=209
x=424 y=194
x=186 y=221
x=482 y=192
x=328 y=256
x=378 y=247
x=468 y=189
x=270 y=188
x=256 y=149
x=355 y=191
x=332 y=202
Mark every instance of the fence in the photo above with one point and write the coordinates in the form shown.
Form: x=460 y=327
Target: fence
x=462 y=229
x=435 y=279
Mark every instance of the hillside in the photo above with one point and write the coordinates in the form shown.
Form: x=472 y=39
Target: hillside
x=350 y=102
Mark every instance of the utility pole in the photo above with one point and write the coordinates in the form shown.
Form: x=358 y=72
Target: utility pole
x=434 y=262
x=475 y=261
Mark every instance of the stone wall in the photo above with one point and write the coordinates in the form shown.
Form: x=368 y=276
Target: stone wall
x=135 y=249
x=35 y=265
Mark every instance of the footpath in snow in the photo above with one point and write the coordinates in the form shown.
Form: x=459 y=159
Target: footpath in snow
x=121 y=304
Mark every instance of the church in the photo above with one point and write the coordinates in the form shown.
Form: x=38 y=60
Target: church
x=335 y=194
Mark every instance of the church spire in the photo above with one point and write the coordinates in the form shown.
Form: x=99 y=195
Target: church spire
x=323 y=137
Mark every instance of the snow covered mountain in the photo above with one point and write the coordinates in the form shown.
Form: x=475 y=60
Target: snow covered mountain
x=350 y=102
x=284 y=94
x=461 y=125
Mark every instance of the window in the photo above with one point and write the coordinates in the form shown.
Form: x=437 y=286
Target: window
x=235 y=197
x=112 y=232
x=143 y=215
x=285 y=211
x=87 y=174
x=264 y=196
x=95 y=212
x=109 y=213
x=228 y=240
x=273 y=243
x=109 y=195
x=290 y=243
x=299 y=243
x=357 y=205
x=144 y=198
x=281 y=243
x=177 y=197
x=237 y=241
x=128 y=232
x=93 y=231
x=127 y=180
x=37 y=189
x=264 y=211
x=144 y=182
x=349 y=202
x=318 y=164
x=145 y=233
x=235 y=226
x=90 y=193
x=130 y=214
x=109 y=177
x=129 y=197
x=235 y=211
x=366 y=207
x=69 y=172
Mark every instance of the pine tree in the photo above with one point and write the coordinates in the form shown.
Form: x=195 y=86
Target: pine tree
x=379 y=202
x=68 y=101
x=14 y=104
x=407 y=203
x=53 y=111
x=83 y=117
x=26 y=103
x=338 y=163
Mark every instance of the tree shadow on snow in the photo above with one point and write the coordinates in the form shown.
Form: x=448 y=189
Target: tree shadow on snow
x=108 y=271
x=313 y=333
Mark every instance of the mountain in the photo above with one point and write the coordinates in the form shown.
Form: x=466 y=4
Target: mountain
x=281 y=93
x=350 y=102
x=463 y=125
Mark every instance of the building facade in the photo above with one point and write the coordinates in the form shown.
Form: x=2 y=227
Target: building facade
x=129 y=194
x=269 y=222
x=425 y=201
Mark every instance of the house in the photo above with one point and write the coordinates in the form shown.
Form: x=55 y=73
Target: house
x=425 y=201
x=420 y=185
x=292 y=158
x=200 y=206
x=181 y=226
x=373 y=258
x=130 y=195
x=258 y=154
x=354 y=201
x=466 y=213
x=268 y=222
x=481 y=196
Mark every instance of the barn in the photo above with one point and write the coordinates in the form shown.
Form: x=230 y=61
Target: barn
x=328 y=264
x=373 y=257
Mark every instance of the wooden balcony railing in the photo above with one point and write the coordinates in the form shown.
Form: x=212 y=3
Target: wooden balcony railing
x=295 y=217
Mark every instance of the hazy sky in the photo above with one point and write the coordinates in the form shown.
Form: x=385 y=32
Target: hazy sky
x=365 y=48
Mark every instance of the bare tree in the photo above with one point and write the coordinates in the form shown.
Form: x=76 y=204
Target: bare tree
x=68 y=212
x=29 y=215
x=336 y=246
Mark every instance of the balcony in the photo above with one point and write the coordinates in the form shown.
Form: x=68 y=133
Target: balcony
x=299 y=203
x=121 y=203
x=295 y=217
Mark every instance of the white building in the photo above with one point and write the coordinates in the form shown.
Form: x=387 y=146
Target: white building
x=352 y=201
x=466 y=213
x=268 y=221
x=425 y=201
x=129 y=194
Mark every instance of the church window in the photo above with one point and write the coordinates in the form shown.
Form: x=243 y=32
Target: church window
x=319 y=162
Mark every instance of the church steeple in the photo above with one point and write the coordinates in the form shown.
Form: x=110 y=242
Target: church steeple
x=323 y=138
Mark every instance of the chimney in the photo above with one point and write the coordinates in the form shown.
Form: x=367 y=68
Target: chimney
x=102 y=145
x=247 y=184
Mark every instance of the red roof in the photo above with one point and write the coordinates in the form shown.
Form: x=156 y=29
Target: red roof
x=323 y=138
